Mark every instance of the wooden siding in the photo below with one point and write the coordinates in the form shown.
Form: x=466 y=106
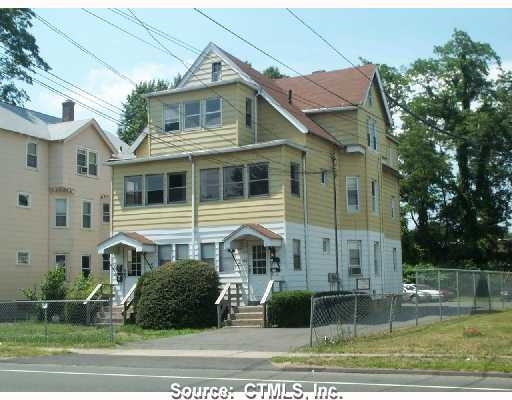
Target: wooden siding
x=390 y=187
x=272 y=125
x=203 y=74
x=342 y=124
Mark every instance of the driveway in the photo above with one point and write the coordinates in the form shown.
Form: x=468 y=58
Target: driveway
x=241 y=339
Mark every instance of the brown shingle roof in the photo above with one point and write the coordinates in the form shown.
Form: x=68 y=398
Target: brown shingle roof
x=138 y=237
x=264 y=231
x=348 y=83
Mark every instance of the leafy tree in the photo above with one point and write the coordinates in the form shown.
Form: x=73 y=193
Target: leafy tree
x=20 y=54
x=53 y=285
x=273 y=73
x=134 y=117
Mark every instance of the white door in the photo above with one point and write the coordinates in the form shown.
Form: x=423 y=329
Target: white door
x=132 y=269
x=259 y=271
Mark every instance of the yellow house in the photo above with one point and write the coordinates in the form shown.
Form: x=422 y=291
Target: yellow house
x=56 y=196
x=264 y=179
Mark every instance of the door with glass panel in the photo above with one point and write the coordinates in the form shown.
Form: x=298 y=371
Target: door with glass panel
x=258 y=271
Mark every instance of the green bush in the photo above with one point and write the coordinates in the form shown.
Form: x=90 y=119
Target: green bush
x=81 y=288
x=290 y=309
x=52 y=286
x=178 y=295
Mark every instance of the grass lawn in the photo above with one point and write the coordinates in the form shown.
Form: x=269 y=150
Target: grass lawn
x=442 y=346
x=28 y=338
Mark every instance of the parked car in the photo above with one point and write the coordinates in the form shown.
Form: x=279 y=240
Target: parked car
x=410 y=294
x=434 y=294
x=448 y=294
x=506 y=294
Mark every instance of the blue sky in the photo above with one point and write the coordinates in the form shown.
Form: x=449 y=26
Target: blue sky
x=391 y=36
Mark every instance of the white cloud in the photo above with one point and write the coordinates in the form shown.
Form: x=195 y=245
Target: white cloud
x=104 y=84
x=494 y=71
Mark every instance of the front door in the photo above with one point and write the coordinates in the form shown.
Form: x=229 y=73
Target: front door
x=133 y=268
x=259 y=271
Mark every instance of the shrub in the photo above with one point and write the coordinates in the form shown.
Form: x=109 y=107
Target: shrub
x=52 y=286
x=80 y=289
x=290 y=309
x=178 y=295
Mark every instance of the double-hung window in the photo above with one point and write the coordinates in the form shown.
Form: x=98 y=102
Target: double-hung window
x=61 y=213
x=354 y=257
x=352 y=193
x=105 y=213
x=154 y=189
x=182 y=252
x=372 y=133
x=395 y=259
x=192 y=114
x=216 y=71
x=133 y=190
x=213 y=113
x=105 y=262
x=177 y=187
x=86 y=214
x=376 y=258
x=258 y=179
x=86 y=162
x=375 y=196
x=296 y=255
x=323 y=177
x=32 y=155
x=60 y=262
x=295 y=179
x=233 y=182
x=326 y=246
x=393 y=207
x=172 y=118
x=248 y=112
x=208 y=253
x=86 y=265
x=210 y=184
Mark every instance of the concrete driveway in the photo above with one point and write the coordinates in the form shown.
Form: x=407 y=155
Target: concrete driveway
x=241 y=339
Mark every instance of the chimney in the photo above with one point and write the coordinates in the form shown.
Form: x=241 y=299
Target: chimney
x=290 y=96
x=68 y=111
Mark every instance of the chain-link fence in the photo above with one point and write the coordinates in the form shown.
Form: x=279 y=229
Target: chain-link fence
x=57 y=322
x=438 y=294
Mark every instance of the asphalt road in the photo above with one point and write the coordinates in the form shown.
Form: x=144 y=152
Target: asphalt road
x=121 y=373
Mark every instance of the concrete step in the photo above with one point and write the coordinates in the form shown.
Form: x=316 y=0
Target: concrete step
x=248 y=315
x=249 y=323
x=248 y=309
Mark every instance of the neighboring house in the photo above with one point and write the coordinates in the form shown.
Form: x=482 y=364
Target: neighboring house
x=56 y=196
x=237 y=169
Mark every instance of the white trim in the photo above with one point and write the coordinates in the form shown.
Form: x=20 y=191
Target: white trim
x=82 y=214
x=248 y=231
x=29 y=257
x=54 y=225
x=355 y=148
x=36 y=168
x=88 y=151
x=122 y=239
x=103 y=212
x=328 y=109
x=200 y=86
x=382 y=95
x=350 y=209
x=221 y=105
x=29 y=198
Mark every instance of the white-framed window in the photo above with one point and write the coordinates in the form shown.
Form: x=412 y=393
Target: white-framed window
x=172 y=122
x=86 y=162
x=296 y=255
x=248 y=112
x=105 y=211
x=61 y=213
x=375 y=196
x=392 y=155
x=22 y=257
x=86 y=214
x=354 y=257
x=393 y=207
x=352 y=193
x=323 y=177
x=182 y=252
x=258 y=179
x=208 y=253
x=233 y=182
x=105 y=262
x=192 y=114
x=85 y=265
x=213 y=112
x=326 y=246
x=61 y=262
x=134 y=264
x=177 y=189
x=210 y=184
x=372 y=133
x=164 y=254
x=154 y=189
x=24 y=200
x=221 y=257
x=395 y=259
x=216 y=71
x=32 y=156
x=133 y=190
x=295 y=179
x=259 y=260
x=376 y=258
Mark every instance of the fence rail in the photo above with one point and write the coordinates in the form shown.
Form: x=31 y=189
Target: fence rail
x=56 y=322
x=437 y=295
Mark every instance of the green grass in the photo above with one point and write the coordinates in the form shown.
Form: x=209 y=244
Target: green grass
x=442 y=346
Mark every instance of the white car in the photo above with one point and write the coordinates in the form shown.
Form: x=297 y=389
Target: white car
x=410 y=293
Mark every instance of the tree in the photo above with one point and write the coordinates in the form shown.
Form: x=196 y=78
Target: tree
x=273 y=73
x=20 y=54
x=134 y=117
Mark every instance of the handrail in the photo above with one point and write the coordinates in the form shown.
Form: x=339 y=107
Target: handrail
x=223 y=293
x=130 y=292
x=93 y=293
x=268 y=290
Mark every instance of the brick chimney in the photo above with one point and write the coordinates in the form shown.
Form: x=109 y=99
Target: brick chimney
x=68 y=111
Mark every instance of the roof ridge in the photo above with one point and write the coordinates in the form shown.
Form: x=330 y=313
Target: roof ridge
x=327 y=72
x=29 y=109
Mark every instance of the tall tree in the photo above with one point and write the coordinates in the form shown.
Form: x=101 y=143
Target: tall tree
x=134 y=117
x=20 y=54
x=273 y=73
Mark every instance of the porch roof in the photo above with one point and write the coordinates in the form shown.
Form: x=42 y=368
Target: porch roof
x=131 y=239
x=269 y=238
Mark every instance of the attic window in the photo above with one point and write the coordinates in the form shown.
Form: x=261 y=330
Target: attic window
x=216 y=71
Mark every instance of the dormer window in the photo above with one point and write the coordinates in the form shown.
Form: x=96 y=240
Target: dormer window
x=216 y=71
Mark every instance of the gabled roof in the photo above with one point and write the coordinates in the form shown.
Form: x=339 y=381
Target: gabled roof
x=258 y=231
x=131 y=239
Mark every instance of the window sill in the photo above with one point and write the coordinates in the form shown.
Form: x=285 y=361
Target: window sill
x=353 y=211
x=60 y=227
x=34 y=169
x=25 y=207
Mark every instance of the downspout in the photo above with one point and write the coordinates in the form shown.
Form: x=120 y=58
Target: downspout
x=382 y=236
x=193 y=201
x=256 y=117
x=306 y=218
x=333 y=158
x=111 y=225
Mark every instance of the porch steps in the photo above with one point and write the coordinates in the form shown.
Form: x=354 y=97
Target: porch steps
x=247 y=317
x=103 y=316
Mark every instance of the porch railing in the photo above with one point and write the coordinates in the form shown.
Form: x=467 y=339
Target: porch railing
x=127 y=301
x=102 y=291
x=264 y=300
x=224 y=302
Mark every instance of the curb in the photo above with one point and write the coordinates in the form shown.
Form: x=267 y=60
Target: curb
x=391 y=371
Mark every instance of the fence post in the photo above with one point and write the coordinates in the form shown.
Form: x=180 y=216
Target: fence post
x=87 y=314
x=416 y=297
x=502 y=290
x=46 y=323
x=355 y=315
x=311 y=314
x=440 y=295
x=111 y=322
x=474 y=292
x=458 y=294
x=489 y=290
x=391 y=314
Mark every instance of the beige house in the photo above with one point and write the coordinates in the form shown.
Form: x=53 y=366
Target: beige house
x=56 y=195
x=267 y=180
